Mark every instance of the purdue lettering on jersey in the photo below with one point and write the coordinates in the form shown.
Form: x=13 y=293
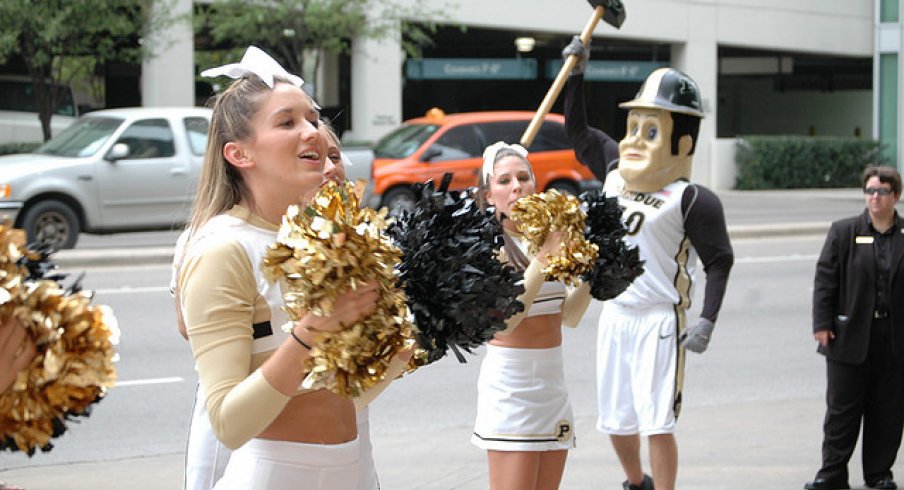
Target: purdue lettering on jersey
x=669 y=258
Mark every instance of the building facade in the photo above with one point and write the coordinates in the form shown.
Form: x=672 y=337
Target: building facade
x=764 y=67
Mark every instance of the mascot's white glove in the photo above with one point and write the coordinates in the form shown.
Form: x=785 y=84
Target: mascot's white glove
x=575 y=47
x=696 y=338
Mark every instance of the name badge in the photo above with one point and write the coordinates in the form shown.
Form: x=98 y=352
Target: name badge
x=863 y=240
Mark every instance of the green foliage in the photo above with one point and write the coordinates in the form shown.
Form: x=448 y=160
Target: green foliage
x=293 y=30
x=47 y=32
x=16 y=148
x=794 y=162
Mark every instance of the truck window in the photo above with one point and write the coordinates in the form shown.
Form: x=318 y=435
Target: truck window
x=196 y=131
x=149 y=138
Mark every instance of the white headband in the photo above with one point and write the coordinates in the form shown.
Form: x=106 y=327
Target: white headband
x=489 y=157
x=254 y=62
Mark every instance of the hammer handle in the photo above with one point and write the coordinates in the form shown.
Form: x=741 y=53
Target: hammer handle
x=531 y=132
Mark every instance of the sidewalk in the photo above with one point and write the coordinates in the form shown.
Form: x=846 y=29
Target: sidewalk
x=763 y=446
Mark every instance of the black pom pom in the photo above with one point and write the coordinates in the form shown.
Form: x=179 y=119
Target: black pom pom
x=617 y=265
x=458 y=291
x=38 y=263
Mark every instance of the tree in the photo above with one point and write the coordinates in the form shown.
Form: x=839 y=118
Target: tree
x=50 y=34
x=294 y=29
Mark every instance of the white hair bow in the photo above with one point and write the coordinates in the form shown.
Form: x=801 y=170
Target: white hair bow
x=489 y=157
x=257 y=62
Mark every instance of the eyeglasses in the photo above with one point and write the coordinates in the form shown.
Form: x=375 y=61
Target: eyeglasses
x=882 y=191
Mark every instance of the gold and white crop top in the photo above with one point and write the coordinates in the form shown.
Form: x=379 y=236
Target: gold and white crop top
x=234 y=319
x=542 y=297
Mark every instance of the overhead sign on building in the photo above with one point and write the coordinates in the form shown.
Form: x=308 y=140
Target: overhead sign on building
x=610 y=71
x=471 y=69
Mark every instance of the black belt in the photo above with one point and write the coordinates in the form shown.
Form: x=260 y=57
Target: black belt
x=880 y=314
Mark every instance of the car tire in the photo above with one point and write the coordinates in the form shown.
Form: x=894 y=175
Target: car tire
x=565 y=187
x=51 y=221
x=399 y=199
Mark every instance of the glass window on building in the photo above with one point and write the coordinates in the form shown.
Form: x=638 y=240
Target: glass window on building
x=888 y=10
x=888 y=106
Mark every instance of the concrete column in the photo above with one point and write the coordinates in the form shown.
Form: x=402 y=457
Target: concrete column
x=328 y=80
x=168 y=76
x=888 y=70
x=376 y=82
x=699 y=58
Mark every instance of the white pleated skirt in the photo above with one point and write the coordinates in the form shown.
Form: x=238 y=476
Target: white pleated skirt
x=522 y=401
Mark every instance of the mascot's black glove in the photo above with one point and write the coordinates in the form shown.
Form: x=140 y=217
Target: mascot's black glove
x=575 y=47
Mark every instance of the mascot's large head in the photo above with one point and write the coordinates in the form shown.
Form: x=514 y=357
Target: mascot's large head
x=663 y=122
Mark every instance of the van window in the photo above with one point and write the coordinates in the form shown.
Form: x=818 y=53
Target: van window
x=551 y=137
x=149 y=138
x=404 y=141
x=457 y=143
x=19 y=95
x=508 y=131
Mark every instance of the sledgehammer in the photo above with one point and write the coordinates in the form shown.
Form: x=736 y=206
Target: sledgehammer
x=612 y=12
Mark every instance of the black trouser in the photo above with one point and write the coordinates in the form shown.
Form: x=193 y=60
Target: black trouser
x=874 y=392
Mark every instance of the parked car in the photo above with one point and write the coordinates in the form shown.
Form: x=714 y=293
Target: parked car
x=19 y=121
x=425 y=148
x=113 y=170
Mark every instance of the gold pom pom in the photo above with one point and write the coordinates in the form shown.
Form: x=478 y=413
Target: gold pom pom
x=74 y=341
x=539 y=214
x=322 y=251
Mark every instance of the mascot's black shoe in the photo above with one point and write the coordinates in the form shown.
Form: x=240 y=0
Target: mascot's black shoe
x=823 y=484
x=646 y=485
x=885 y=483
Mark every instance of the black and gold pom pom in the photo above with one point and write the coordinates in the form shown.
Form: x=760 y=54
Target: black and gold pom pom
x=460 y=293
x=74 y=340
x=617 y=265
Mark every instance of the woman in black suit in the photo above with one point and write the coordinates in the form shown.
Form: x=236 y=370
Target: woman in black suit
x=858 y=321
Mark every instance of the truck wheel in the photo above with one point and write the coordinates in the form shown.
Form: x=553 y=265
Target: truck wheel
x=51 y=222
x=565 y=187
x=399 y=199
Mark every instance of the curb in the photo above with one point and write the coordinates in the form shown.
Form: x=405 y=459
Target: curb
x=778 y=230
x=98 y=257
x=113 y=256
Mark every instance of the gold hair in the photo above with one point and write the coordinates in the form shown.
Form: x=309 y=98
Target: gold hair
x=221 y=185
x=327 y=130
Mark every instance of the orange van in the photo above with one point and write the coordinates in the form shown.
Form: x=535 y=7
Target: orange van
x=425 y=148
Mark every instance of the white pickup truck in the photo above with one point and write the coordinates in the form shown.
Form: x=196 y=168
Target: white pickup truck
x=362 y=159
x=113 y=170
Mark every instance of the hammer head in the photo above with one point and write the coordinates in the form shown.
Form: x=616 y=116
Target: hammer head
x=614 y=13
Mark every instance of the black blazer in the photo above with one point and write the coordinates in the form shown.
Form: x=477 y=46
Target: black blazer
x=844 y=292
